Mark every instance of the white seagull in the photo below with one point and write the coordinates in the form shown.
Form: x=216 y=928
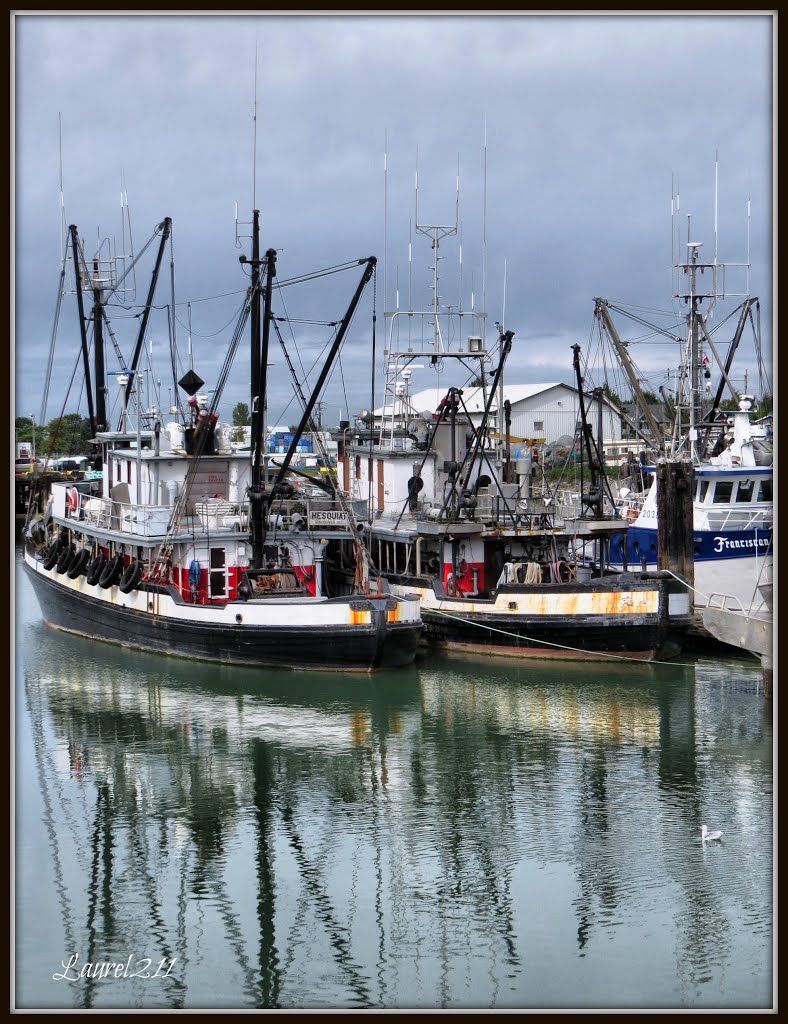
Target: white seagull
x=705 y=835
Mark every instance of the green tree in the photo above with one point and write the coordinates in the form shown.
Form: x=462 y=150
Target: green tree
x=763 y=406
x=650 y=397
x=613 y=397
x=29 y=433
x=241 y=417
x=68 y=435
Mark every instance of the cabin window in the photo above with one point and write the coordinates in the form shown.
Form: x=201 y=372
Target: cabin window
x=703 y=488
x=744 y=490
x=358 y=467
x=723 y=491
x=538 y=426
x=218 y=573
x=765 y=491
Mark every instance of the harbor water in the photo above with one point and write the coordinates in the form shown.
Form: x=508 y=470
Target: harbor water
x=463 y=834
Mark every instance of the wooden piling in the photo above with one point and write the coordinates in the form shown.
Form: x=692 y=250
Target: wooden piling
x=675 y=525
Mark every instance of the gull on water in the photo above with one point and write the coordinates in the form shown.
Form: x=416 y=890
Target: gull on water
x=705 y=835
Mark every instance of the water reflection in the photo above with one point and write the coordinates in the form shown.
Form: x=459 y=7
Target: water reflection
x=455 y=835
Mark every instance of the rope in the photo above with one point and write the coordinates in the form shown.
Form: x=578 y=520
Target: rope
x=548 y=643
x=687 y=585
x=533 y=573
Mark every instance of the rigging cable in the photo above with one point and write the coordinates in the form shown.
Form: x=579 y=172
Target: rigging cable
x=372 y=406
x=213 y=334
x=50 y=361
x=184 y=496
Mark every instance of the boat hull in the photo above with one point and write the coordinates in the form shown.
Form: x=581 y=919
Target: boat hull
x=725 y=561
x=562 y=639
x=639 y=620
x=157 y=619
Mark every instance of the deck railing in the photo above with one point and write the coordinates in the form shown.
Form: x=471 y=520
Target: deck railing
x=296 y=514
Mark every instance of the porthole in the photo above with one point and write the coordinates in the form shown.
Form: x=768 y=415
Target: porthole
x=239 y=618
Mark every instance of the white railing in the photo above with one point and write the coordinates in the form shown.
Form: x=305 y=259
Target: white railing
x=209 y=514
x=736 y=518
x=141 y=520
x=726 y=602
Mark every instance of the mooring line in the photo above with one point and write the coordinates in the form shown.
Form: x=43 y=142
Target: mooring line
x=687 y=585
x=563 y=647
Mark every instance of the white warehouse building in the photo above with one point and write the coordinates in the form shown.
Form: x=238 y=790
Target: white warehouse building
x=546 y=412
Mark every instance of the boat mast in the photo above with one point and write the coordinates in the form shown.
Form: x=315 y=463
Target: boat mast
x=693 y=369
x=254 y=318
x=98 y=351
x=164 y=227
x=259 y=461
x=593 y=497
x=369 y=268
x=258 y=505
x=82 y=325
x=695 y=411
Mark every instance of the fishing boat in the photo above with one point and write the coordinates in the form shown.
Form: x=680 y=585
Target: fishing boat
x=731 y=451
x=733 y=514
x=497 y=567
x=199 y=550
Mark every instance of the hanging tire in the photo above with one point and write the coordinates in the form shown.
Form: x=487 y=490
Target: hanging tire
x=95 y=569
x=65 y=559
x=52 y=555
x=79 y=565
x=112 y=572
x=131 y=577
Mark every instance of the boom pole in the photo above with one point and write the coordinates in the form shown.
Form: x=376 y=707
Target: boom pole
x=82 y=327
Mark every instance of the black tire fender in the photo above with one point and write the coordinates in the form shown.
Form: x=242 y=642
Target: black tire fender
x=79 y=565
x=131 y=577
x=65 y=558
x=95 y=569
x=52 y=555
x=111 y=573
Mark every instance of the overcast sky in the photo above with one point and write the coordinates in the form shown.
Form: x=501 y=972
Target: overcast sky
x=587 y=122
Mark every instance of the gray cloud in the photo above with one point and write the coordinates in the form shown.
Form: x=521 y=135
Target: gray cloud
x=586 y=120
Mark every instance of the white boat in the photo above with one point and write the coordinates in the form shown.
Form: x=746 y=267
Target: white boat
x=192 y=549
x=748 y=629
x=730 y=451
x=732 y=516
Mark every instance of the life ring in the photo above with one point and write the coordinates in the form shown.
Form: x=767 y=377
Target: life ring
x=72 y=500
x=111 y=573
x=632 y=514
x=79 y=565
x=451 y=586
x=95 y=569
x=131 y=577
x=65 y=558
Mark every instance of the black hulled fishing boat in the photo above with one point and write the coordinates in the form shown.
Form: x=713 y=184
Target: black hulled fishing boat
x=498 y=567
x=196 y=549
